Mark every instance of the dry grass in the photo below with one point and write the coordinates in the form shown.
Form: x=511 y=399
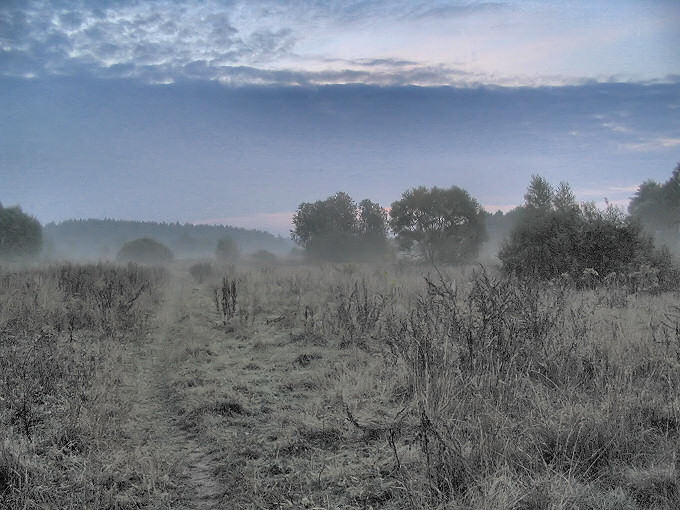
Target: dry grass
x=341 y=386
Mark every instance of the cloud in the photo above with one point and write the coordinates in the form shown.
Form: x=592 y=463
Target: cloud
x=652 y=145
x=426 y=42
x=48 y=38
x=448 y=9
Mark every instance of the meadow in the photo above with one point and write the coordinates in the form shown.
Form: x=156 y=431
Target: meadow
x=335 y=386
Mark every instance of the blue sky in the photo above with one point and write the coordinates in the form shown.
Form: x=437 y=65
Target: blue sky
x=235 y=112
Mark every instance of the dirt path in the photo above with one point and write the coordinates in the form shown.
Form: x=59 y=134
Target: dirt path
x=253 y=417
x=157 y=413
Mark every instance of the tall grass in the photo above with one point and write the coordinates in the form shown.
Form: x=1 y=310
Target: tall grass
x=341 y=386
x=61 y=330
x=497 y=392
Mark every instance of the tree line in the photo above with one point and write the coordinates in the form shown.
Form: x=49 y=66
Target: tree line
x=549 y=235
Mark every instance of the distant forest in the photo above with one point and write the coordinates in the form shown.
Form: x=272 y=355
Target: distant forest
x=101 y=239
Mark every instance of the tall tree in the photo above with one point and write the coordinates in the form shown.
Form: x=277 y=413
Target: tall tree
x=443 y=225
x=539 y=195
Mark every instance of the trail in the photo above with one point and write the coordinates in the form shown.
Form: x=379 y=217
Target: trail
x=157 y=412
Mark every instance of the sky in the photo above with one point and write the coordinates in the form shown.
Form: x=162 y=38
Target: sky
x=235 y=112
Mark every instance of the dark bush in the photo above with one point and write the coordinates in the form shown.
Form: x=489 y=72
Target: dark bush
x=20 y=234
x=145 y=251
x=264 y=257
x=201 y=271
x=554 y=236
x=227 y=250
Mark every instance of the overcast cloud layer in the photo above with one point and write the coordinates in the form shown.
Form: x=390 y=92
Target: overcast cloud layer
x=200 y=152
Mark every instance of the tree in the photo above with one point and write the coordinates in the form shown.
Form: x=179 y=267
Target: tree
x=338 y=229
x=20 y=234
x=371 y=229
x=226 y=250
x=657 y=206
x=443 y=225
x=539 y=196
x=564 y=200
x=145 y=251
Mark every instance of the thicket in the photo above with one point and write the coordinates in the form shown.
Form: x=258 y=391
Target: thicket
x=145 y=251
x=657 y=206
x=556 y=237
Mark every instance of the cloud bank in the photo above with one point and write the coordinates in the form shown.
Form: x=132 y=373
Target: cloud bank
x=303 y=42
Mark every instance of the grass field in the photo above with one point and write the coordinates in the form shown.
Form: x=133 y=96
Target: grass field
x=334 y=386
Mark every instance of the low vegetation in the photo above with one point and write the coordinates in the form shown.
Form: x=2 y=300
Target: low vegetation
x=145 y=251
x=68 y=340
x=335 y=386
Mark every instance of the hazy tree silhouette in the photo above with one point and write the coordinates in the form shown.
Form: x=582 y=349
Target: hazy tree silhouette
x=339 y=229
x=145 y=251
x=226 y=250
x=657 y=206
x=442 y=225
x=20 y=234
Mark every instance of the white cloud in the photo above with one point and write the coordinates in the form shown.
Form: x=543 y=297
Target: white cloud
x=651 y=145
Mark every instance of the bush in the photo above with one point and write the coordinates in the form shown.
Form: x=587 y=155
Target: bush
x=20 y=234
x=227 y=250
x=201 y=271
x=264 y=257
x=555 y=236
x=145 y=251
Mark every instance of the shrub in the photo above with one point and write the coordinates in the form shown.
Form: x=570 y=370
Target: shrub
x=555 y=236
x=145 y=251
x=227 y=250
x=201 y=271
x=264 y=257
